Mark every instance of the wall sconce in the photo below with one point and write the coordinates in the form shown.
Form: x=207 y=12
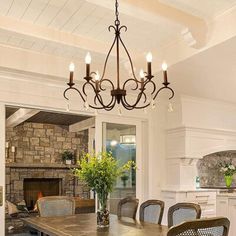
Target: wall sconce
x=13 y=150
x=7 y=149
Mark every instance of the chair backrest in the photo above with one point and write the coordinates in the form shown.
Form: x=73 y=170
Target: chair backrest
x=56 y=206
x=182 y=212
x=151 y=211
x=201 y=227
x=127 y=207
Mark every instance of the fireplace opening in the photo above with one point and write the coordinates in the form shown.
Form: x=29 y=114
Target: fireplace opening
x=35 y=188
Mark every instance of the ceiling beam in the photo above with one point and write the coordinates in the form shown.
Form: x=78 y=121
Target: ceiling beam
x=82 y=125
x=193 y=26
x=20 y=116
x=12 y=25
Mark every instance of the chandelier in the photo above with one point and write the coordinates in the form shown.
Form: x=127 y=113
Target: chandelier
x=99 y=86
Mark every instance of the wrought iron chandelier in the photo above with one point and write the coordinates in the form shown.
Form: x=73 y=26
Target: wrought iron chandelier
x=100 y=85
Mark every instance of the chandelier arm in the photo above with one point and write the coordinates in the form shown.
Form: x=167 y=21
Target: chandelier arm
x=130 y=60
x=99 y=98
x=162 y=88
x=104 y=80
x=102 y=103
x=129 y=81
x=147 y=83
x=72 y=88
x=129 y=107
x=136 y=102
x=108 y=54
x=107 y=108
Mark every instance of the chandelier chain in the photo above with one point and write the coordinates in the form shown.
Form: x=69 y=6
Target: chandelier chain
x=117 y=21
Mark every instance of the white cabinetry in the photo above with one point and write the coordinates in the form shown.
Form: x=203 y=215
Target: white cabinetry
x=226 y=206
x=205 y=198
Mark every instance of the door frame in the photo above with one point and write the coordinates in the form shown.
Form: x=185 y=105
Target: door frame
x=141 y=147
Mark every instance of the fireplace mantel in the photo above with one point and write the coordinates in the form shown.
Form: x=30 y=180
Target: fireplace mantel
x=40 y=165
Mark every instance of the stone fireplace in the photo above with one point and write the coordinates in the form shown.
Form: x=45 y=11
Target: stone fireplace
x=19 y=174
x=35 y=188
x=38 y=161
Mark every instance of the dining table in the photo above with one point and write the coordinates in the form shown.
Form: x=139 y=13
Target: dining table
x=86 y=225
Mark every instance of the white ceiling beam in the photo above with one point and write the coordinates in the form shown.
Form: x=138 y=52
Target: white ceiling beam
x=20 y=116
x=53 y=36
x=82 y=125
x=151 y=10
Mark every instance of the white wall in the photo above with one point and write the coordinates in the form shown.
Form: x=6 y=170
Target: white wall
x=2 y=165
x=157 y=151
x=205 y=127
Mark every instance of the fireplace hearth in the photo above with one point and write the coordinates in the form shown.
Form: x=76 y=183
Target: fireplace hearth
x=35 y=188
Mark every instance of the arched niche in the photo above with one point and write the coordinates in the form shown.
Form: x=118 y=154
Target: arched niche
x=209 y=168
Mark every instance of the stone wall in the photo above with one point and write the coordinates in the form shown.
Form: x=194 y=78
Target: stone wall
x=38 y=149
x=15 y=181
x=209 y=168
x=43 y=143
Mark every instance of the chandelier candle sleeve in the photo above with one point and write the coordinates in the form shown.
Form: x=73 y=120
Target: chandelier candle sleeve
x=97 y=78
x=88 y=61
x=149 y=64
x=164 y=68
x=71 y=68
x=141 y=73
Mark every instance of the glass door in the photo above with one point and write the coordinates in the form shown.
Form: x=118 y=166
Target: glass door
x=120 y=139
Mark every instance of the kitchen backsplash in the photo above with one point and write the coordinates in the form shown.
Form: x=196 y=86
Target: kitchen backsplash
x=209 y=168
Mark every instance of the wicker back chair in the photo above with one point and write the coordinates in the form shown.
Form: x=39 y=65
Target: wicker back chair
x=151 y=211
x=127 y=207
x=202 y=227
x=182 y=212
x=56 y=206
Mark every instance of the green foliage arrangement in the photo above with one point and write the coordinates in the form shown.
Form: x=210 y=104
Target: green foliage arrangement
x=100 y=172
x=227 y=168
x=67 y=155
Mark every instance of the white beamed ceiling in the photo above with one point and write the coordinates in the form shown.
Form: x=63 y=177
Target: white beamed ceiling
x=64 y=30
x=207 y=9
x=81 y=17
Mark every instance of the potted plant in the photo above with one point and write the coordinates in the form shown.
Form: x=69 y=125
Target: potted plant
x=100 y=172
x=229 y=170
x=124 y=177
x=67 y=157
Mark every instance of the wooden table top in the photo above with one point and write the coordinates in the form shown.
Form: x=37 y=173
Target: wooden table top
x=86 y=225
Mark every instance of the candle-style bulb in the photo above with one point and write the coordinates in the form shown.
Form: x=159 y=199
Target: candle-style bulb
x=88 y=58
x=72 y=67
x=149 y=57
x=164 y=66
x=141 y=73
x=97 y=76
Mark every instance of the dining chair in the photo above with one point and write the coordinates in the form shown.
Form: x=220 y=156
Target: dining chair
x=151 y=211
x=182 y=212
x=201 y=227
x=127 y=207
x=56 y=206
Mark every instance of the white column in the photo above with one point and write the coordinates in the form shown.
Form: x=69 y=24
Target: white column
x=2 y=166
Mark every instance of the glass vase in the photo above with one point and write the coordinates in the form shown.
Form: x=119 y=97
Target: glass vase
x=102 y=213
x=103 y=218
x=228 y=180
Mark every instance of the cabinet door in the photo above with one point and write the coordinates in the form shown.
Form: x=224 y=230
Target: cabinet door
x=232 y=216
x=222 y=206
